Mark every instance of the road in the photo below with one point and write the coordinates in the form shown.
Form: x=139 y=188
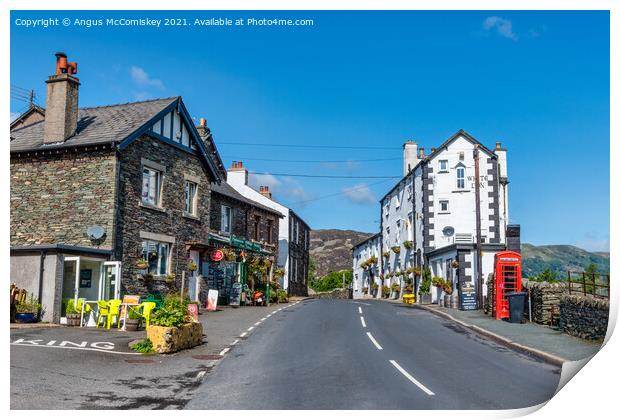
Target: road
x=342 y=354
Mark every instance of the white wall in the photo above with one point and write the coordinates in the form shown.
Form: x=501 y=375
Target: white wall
x=361 y=253
x=238 y=179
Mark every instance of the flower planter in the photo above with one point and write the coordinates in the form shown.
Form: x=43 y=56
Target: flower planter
x=132 y=324
x=447 y=300
x=173 y=339
x=73 y=320
x=425 y=299
x=25 y=318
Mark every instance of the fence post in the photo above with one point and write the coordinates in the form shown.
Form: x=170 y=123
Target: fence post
x=583 y=283
x=569 y=291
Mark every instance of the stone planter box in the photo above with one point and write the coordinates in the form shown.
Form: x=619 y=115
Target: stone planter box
x=425 y=299
x=172 y=339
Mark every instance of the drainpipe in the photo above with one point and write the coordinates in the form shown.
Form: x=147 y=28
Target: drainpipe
x=41 y=269
x=478 y=229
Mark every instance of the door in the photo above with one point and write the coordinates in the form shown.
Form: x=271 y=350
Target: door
x=110 y=284
x=72 y=276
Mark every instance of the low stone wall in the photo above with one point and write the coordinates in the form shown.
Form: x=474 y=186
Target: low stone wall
x=173 y=339
x=585 y=317
x=545 y=299
x=334 y=294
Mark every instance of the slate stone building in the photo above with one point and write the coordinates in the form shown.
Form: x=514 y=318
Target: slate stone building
x=95 y=190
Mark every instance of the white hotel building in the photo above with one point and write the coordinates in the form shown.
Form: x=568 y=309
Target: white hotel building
x=433 y=211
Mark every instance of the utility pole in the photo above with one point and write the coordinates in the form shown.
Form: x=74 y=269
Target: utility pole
x=478 y=229
x=343 y=279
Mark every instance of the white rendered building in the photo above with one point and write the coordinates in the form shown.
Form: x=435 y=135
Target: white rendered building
x=364 y=276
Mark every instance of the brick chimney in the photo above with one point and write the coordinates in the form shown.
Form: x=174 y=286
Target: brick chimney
x=61 y=102
x=264 y=190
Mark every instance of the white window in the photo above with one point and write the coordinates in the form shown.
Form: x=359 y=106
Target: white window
x=461 y=156
x=157 y=254
x=151 y=186
x=460 y=178
x=190 y=197
x=444 y=206
x=226 y=219
x=443 y=165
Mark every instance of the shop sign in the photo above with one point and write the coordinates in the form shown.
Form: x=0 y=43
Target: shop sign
x=217 y=255
x=468 y=297
x=212 y=300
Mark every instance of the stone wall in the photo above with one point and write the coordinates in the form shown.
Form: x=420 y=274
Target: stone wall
x=239 y=224
x=334 y=294
x=169 y=220
x=55 y=198
x=545 y=299
x=585 y=317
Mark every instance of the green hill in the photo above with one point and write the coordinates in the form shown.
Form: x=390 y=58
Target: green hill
x=560 y=259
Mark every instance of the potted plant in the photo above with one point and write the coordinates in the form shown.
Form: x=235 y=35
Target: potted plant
x=148 y=278
x=425 y=287
x=408 y=244
x=28 y=311
x=417 y=271
x=170 y=278
x=385 y=292
x=72 y=314
x=374 y=288
x=396 y=249
x=365 y=290
x=142 y=264
x=372 y=260
x=396 y=289
x=192 y=266
x=133 y=319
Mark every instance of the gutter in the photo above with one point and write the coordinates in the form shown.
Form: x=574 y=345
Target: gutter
x=41 y=270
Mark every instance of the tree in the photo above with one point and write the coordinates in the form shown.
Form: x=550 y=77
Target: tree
x=311 y=271
x=546 y=276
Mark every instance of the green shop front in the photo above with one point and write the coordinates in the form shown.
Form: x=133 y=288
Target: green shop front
x=225 y=267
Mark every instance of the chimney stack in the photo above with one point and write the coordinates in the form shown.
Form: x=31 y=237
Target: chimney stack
x=203 y=123
x=264 y=190
x=498 y=145
x=410 y=156
x=61 y=102
x=421 y=154
x=237 y=174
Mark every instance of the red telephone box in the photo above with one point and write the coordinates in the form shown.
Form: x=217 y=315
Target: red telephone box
x=507 y=279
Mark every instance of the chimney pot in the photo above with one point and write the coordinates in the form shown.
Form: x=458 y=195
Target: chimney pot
x=240 y=164
x=498 y=145
x=421 y=149
x=203 y=122
x=61 y=102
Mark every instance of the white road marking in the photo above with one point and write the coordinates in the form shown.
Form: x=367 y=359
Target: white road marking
x=268 y=316
x=359 y=308
x=257 y=323
x=242 y=334
x=361 y=303
x=374 y=341
x=250 y=329
x=411 y=378
x=75 y=348
x=201 y=374
x=234 y=342
x=363 y=322
x=223 y=352
x=262 y=319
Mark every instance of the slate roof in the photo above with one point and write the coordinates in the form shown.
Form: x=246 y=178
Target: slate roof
x=98 y=125
x=225 y=189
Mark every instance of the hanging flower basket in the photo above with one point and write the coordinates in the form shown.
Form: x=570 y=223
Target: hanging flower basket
x=396 y=249
x=170 y=279
x=417 y=271
x=455 y=264
x=142 y=264
x=408 y=244
x=192 y=266
x=386 y=254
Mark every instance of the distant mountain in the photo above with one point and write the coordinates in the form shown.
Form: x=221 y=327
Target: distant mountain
x=331 y=249
x=560 y=258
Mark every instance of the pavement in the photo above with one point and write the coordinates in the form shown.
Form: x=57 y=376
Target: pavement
x=87 y=368
x=345 y=354
x=540 y=340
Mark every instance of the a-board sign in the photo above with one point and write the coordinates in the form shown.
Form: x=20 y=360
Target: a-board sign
x=193 y=311
x=212 y=299
x=468 y=301
x=131 y=300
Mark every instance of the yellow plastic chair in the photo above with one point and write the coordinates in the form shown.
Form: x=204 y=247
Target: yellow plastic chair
x=113 y=311
x=80 y=302
x=103 y=311
x=147 y=308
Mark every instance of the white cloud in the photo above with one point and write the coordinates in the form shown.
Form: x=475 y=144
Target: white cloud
x=360 y=194
x=286 y=188
x=592 y=242
x=141 y=78
x=501 y=25
x=258 y=180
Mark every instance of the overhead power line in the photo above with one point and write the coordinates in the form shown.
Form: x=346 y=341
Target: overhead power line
x=314 y=161
x=327 y=176
x=310 y=146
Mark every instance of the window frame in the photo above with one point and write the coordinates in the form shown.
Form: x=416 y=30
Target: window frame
x=460 y=170
x=159 y=175
x=226 y=210
x=441 y=165
x=166 y=260
x=441 y=210
x=193 y=198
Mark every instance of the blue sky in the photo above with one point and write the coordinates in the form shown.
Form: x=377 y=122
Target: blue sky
x=536 y=81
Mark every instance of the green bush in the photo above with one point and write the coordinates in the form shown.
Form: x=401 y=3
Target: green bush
x=332 y=281
x=173 y=312
x=30 y=307
x=282 y=296
x=143 y=346
x=425 y=286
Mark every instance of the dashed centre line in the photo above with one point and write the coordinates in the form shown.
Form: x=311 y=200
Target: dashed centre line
x=374 y=341
x=359 y=308
x=363 y=322
x=411 y=378
x=223 y=352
